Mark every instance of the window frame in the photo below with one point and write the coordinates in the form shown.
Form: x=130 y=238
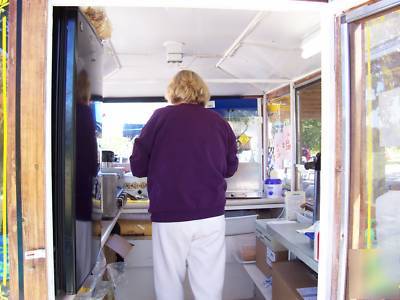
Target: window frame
x=353 y=131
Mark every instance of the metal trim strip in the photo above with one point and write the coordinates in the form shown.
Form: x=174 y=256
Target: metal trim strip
x=369 y=10
x=345 y=55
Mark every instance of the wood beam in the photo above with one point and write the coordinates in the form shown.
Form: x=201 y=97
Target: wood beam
x=28 y=131
x=279 y=92
x=339 y=165
x=11 y=150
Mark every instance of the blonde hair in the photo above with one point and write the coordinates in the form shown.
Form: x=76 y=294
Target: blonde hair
x=187 y=87
x=83 y=88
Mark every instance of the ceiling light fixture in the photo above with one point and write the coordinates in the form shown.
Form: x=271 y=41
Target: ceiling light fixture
x=174 y=52
x=311 y=44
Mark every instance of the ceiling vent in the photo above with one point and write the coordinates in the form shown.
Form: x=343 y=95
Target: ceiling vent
x=174 y=51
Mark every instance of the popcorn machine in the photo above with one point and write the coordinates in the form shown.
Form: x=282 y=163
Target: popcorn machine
x=244 y=116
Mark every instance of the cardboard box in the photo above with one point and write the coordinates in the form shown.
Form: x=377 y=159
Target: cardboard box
x=289 y=277
x=119 y=245
x=265 y=256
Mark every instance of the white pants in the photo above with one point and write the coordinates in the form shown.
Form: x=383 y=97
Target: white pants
x=197 y=247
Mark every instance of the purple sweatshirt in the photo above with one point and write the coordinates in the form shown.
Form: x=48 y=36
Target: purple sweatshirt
x=86 y=161
x=186 y=151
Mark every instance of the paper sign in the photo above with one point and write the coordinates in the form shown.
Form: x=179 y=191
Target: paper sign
x=267 y=260
x=270 y=257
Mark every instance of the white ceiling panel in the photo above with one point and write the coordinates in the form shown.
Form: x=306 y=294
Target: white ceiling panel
x=151 y=89
x=204 y=31
x=155 y=67
x=262 y=63
x=129 y=89
x=233 y=89
x=271 y=51
x=285 y=29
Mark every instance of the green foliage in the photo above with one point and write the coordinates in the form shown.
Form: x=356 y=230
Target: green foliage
x=311 y=135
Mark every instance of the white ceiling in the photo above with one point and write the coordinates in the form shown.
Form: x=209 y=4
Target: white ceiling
x=270 y=51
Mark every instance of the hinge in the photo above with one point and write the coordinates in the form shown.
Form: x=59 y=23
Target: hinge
x=35 y=254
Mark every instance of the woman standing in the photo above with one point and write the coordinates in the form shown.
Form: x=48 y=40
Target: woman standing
x=187 y=151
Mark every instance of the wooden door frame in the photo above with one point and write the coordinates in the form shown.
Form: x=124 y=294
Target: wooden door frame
x=349 y=141
x=331 y=280
x=26 y=190
x=16 y=286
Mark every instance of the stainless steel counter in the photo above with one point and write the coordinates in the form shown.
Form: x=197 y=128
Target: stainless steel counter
x=231 y=204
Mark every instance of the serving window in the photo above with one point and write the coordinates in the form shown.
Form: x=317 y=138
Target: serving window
x=308 y=135
x=119 y=123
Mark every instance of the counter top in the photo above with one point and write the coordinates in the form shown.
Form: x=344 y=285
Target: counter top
x=231 y=204
x=261 y=203
x=298 y=244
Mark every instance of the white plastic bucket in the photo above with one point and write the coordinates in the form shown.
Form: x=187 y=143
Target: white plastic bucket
x=273 y=188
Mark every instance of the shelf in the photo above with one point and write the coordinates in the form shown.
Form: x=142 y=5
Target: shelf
x=258 y=278
x=298 y=244
x=108 y=225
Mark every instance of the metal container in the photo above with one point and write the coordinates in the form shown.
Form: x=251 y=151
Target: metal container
x=107 y=159
x=109 y=191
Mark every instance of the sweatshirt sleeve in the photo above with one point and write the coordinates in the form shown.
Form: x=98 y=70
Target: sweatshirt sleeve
x=232 y=161
x=140 y=157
